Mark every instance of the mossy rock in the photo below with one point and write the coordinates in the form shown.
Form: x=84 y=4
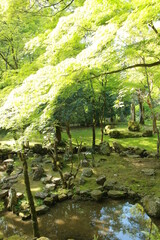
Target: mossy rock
x=133 y=126
x=148 y=133
x=107 y=129
x=105 y=149
x=115 y=134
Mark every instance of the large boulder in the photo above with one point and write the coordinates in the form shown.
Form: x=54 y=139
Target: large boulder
x=104 y=149
x=133 y=126
x=147 y=133
x=48 y=201
x=100 y=180
x=87 y=172
x=107 y=129
x=118 y=147
x=62 y=197
x=3 y=194
x=115 y=134
x=38 y=173
x=151 y=205
x=37 y=148
x=97 y=195
x=42 y=209
x=115 y=194
x=50 y=186
x=42 y=195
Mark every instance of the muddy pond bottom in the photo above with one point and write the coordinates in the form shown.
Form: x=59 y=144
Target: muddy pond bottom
x=111 y=220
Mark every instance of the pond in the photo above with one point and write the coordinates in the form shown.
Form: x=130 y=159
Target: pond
x=111 y=220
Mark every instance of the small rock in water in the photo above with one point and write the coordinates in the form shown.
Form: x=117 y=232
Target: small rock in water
x=41 y=209
x=97 y=195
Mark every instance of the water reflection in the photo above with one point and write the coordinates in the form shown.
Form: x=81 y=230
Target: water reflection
x=108 y=220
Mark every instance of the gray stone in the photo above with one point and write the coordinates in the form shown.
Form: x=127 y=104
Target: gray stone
x=152 y=205
x=118 y=147
x=82 y=181
x=149 y=172
x=97 y=195
x=42 y=209
x=56 y=181
x=69 y=194
x=3 y=194
x=38 y=173
x=115 y=194
x=85 y=194
x=110 y=185
x=50 y=186
x=6 y=186
x=104 y=149
x=62 y=197
x=54 y=197
x=25 y=215
x=8 y=161
x=132 y=195
x=47 y=179
x=101 y=180
x=147 y=133
x=85 y=163
x=48 y=201
x=9 y=179
x=87 y=172
x=19 y=195
x=42 y=195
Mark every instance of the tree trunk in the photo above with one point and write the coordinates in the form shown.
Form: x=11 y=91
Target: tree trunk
x=158 y=143
x=101 y=125
x=69 y=135
x=133 y=113
x=154 y=119
x=58 y=134
x=141 y=113
x=141 y=107
x=36 y=233
x=150 y=101
x=93 y=135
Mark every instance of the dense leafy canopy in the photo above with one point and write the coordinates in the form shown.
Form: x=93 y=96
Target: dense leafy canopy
x=50 y=52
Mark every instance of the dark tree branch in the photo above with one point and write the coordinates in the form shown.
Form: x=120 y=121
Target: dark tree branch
x=138 y=65
x=6 y=61
x=153 y=27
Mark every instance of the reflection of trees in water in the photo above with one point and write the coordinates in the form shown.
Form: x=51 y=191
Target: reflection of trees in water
x=125 y=221
x=111 y=221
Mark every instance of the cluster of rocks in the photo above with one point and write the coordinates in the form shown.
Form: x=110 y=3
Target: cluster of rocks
x=131 y=151
x=106 y=189
x=7 y=182
x=136 y=152
x=134 y=132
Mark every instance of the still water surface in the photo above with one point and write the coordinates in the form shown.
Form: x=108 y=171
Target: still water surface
x=111 y=220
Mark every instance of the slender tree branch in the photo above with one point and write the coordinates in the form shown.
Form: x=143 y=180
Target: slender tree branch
x=153 y=27
x=149 y=65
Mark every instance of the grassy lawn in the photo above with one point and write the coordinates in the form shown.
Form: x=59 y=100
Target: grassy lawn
x=85 y=135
